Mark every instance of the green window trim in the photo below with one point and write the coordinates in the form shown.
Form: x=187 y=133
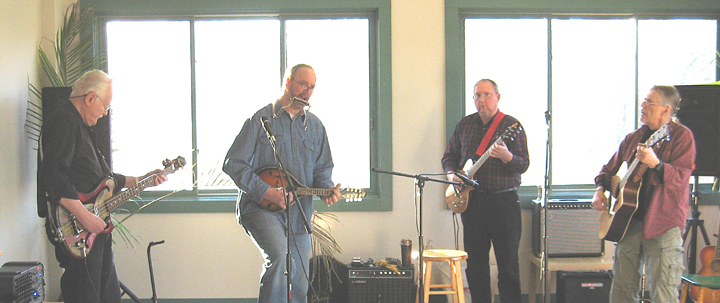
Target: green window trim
x=379 y=196
x=457 y=10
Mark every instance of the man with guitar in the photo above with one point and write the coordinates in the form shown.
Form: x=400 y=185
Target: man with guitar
x=302 y=144
x=71 y=165
x=656 y=192
x=492 y=217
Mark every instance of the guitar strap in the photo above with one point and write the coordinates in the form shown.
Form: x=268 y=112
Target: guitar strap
x=489 y=134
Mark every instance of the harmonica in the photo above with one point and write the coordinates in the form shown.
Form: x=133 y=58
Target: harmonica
x=301 y=101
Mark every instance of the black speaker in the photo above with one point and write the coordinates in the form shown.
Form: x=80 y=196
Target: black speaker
x=700 y=112
x=380 y=285
x=583 y=286
x=572 y=229
x=22 y=282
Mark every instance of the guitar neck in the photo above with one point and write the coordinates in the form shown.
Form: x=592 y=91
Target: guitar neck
x=631 y=170
x=486 y=155
x=122 y=197
x=304 y=191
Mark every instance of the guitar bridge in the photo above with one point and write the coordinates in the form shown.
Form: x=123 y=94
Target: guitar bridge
x=77 y=228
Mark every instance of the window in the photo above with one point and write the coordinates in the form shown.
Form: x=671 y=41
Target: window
x=599 y=72
x=196 y=81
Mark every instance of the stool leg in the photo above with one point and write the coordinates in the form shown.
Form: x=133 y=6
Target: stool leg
x=453 y=281
x=459 y=282
x=426 y=281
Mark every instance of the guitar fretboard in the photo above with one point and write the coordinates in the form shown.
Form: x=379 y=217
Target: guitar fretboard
x=313 y=191
x=486 y=155
x=654 y=139
x=122 y=197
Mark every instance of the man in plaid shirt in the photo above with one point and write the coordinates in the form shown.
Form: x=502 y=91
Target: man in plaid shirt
x=653 y=235
x=492 y=217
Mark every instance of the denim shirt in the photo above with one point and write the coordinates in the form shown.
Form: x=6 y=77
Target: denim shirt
x=303 y=146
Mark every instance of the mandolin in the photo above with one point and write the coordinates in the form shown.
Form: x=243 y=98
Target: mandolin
x=273 y=177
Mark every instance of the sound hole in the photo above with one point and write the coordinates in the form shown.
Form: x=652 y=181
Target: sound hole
x=715 y=266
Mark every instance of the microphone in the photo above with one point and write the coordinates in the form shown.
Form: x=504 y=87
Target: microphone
x=468 y=181
x=268 y=129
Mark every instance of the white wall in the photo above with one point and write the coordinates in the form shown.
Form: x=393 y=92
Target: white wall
x=208 y=255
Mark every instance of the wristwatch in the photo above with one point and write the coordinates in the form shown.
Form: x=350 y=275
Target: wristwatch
x=659 y=167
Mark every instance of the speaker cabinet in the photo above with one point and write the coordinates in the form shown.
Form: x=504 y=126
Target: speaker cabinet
x=700 y=112
x=572 y=229
x=22 y=282
x=583 y=286
x=380 y=285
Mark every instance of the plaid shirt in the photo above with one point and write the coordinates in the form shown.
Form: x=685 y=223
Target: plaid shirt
x=493 y=175
x=670 y=194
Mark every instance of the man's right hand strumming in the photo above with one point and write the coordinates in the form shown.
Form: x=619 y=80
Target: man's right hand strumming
x=91 y=222
x=600 y=200
x=276 y=195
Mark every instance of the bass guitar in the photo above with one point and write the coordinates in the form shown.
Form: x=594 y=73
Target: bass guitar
x=272 y=176
x=457 y=199
x=64 y=229
x=624 y=194
x=710 y=259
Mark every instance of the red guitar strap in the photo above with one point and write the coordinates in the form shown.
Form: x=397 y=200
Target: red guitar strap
x=489 y=134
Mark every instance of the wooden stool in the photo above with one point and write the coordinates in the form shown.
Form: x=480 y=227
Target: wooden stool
x=453 y=257
x=709 y=287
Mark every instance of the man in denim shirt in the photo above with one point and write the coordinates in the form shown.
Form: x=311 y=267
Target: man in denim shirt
x=302 y=143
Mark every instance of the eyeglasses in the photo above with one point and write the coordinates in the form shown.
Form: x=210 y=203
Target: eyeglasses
x=483 y=96
x=304 y=85
x=649 y=102
x=106 y=108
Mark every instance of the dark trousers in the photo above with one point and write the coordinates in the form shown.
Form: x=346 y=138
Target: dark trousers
x=493 y=220
x=92 y=279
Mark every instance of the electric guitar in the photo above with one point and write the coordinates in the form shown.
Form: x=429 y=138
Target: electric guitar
x=64 y=229
x=273 y=177
x=710 y=259
x=624 y=194
x=457 y=199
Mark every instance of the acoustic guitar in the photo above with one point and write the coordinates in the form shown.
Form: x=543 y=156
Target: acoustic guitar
x=624 y=194
x=710 y=260
x=457 y=199
x=65 y=230
x=272 y=176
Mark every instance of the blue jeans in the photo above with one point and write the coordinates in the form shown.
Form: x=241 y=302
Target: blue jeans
x=267 y=231
x=663 y=257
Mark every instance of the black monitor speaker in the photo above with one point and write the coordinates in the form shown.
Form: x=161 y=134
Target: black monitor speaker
x=700 y=112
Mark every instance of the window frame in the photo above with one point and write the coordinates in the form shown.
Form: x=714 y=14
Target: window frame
x=457 y=11
x=379 y=195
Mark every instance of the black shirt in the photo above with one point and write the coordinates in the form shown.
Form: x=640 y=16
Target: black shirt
x=71 y=162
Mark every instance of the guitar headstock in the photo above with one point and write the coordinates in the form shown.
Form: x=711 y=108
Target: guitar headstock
x=512 y=131
x=173 y=165
x=352 y=194
x=658 y=136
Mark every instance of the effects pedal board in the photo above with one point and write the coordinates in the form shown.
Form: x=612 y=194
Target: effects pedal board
x=22 y=282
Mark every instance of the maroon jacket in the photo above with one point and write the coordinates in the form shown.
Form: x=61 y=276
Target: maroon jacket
x=670 y=194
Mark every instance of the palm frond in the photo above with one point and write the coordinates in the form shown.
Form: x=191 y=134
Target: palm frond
x=324 y=247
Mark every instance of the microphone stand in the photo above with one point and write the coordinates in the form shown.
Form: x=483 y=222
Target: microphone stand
x=288 y=186
x=420 y=183
x=546 y=189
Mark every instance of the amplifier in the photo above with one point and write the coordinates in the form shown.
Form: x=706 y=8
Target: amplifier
x=380 y=285
x=583 y=286
x=22 y=282
x=572 y=229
